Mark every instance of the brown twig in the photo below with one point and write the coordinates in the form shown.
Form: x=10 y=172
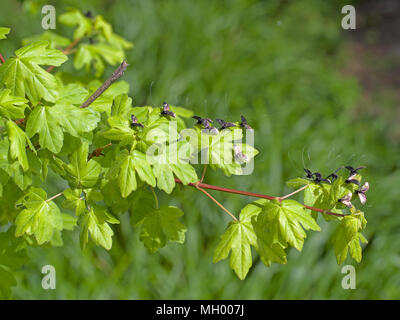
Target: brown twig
x=251 y=194
x=114 y=77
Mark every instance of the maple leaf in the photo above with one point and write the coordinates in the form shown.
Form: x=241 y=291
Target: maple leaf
x=23 y=75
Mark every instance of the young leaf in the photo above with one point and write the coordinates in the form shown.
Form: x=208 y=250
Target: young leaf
x=18 y=140
x=347 y=238
x=80 y=172
x=11 y=107
x=142 y=203
x=318 y=195
x=54 y=39
x=238 y=237
x=122 y=106
x=160 y=226
x=269 y=252
x=50 y=122
x=96 y=54
x=297 y=183
x=173 y=160
x=94 y=222
x=74 y=201
x=23 y=75
x=130 y=165
x=75 y=120
x=39 y=218
x=286 y=221
x=72 y=93
x=75 y=18
x=44 y=121
x=3 y=32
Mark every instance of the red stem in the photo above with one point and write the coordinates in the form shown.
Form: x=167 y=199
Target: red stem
x=252 y=194
x=2 y=59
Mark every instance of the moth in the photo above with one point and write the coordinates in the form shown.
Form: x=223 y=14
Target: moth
x=135 y=123
x=353 y=173
x=211 y=130
x=167 y=110
x=203 y=121
x=309 y=174
x=361 y=192
x=346 y=200
x=244 y=124
x=318 y=177
x=224 y=124
x=239 y=156
x=333 y=175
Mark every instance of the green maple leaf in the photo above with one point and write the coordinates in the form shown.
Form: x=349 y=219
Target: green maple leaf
x=297 y=183
x=74 y=201
x=18 y=140
x=268 y=250
x=122 y=106
x=286 y=221
x=142 y=203
x=51 y=122
x=45 y=122
x=94 y=222
x=3 y=32
x=72 y=93
x=162 y=225
x=129 y=165
x=105 y=101
x=174 y=160
x=220 y=150
x=75 y=120
x=318 y=195
x=347 y=237
x=120 y=130
x=74 y=17
x=80 y=172
x=237 y=238
x=54 y=39
x=23 y=75
x=40 y=217
x=97 y=54
x=103 y=26
x=11 y=107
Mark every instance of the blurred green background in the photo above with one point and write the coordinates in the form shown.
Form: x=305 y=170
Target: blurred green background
x=318 y=97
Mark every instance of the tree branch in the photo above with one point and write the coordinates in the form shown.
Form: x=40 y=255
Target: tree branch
x=114 y=77
x=256 y=195
x=216 y=202
x=294 y=192
x=55 y=196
